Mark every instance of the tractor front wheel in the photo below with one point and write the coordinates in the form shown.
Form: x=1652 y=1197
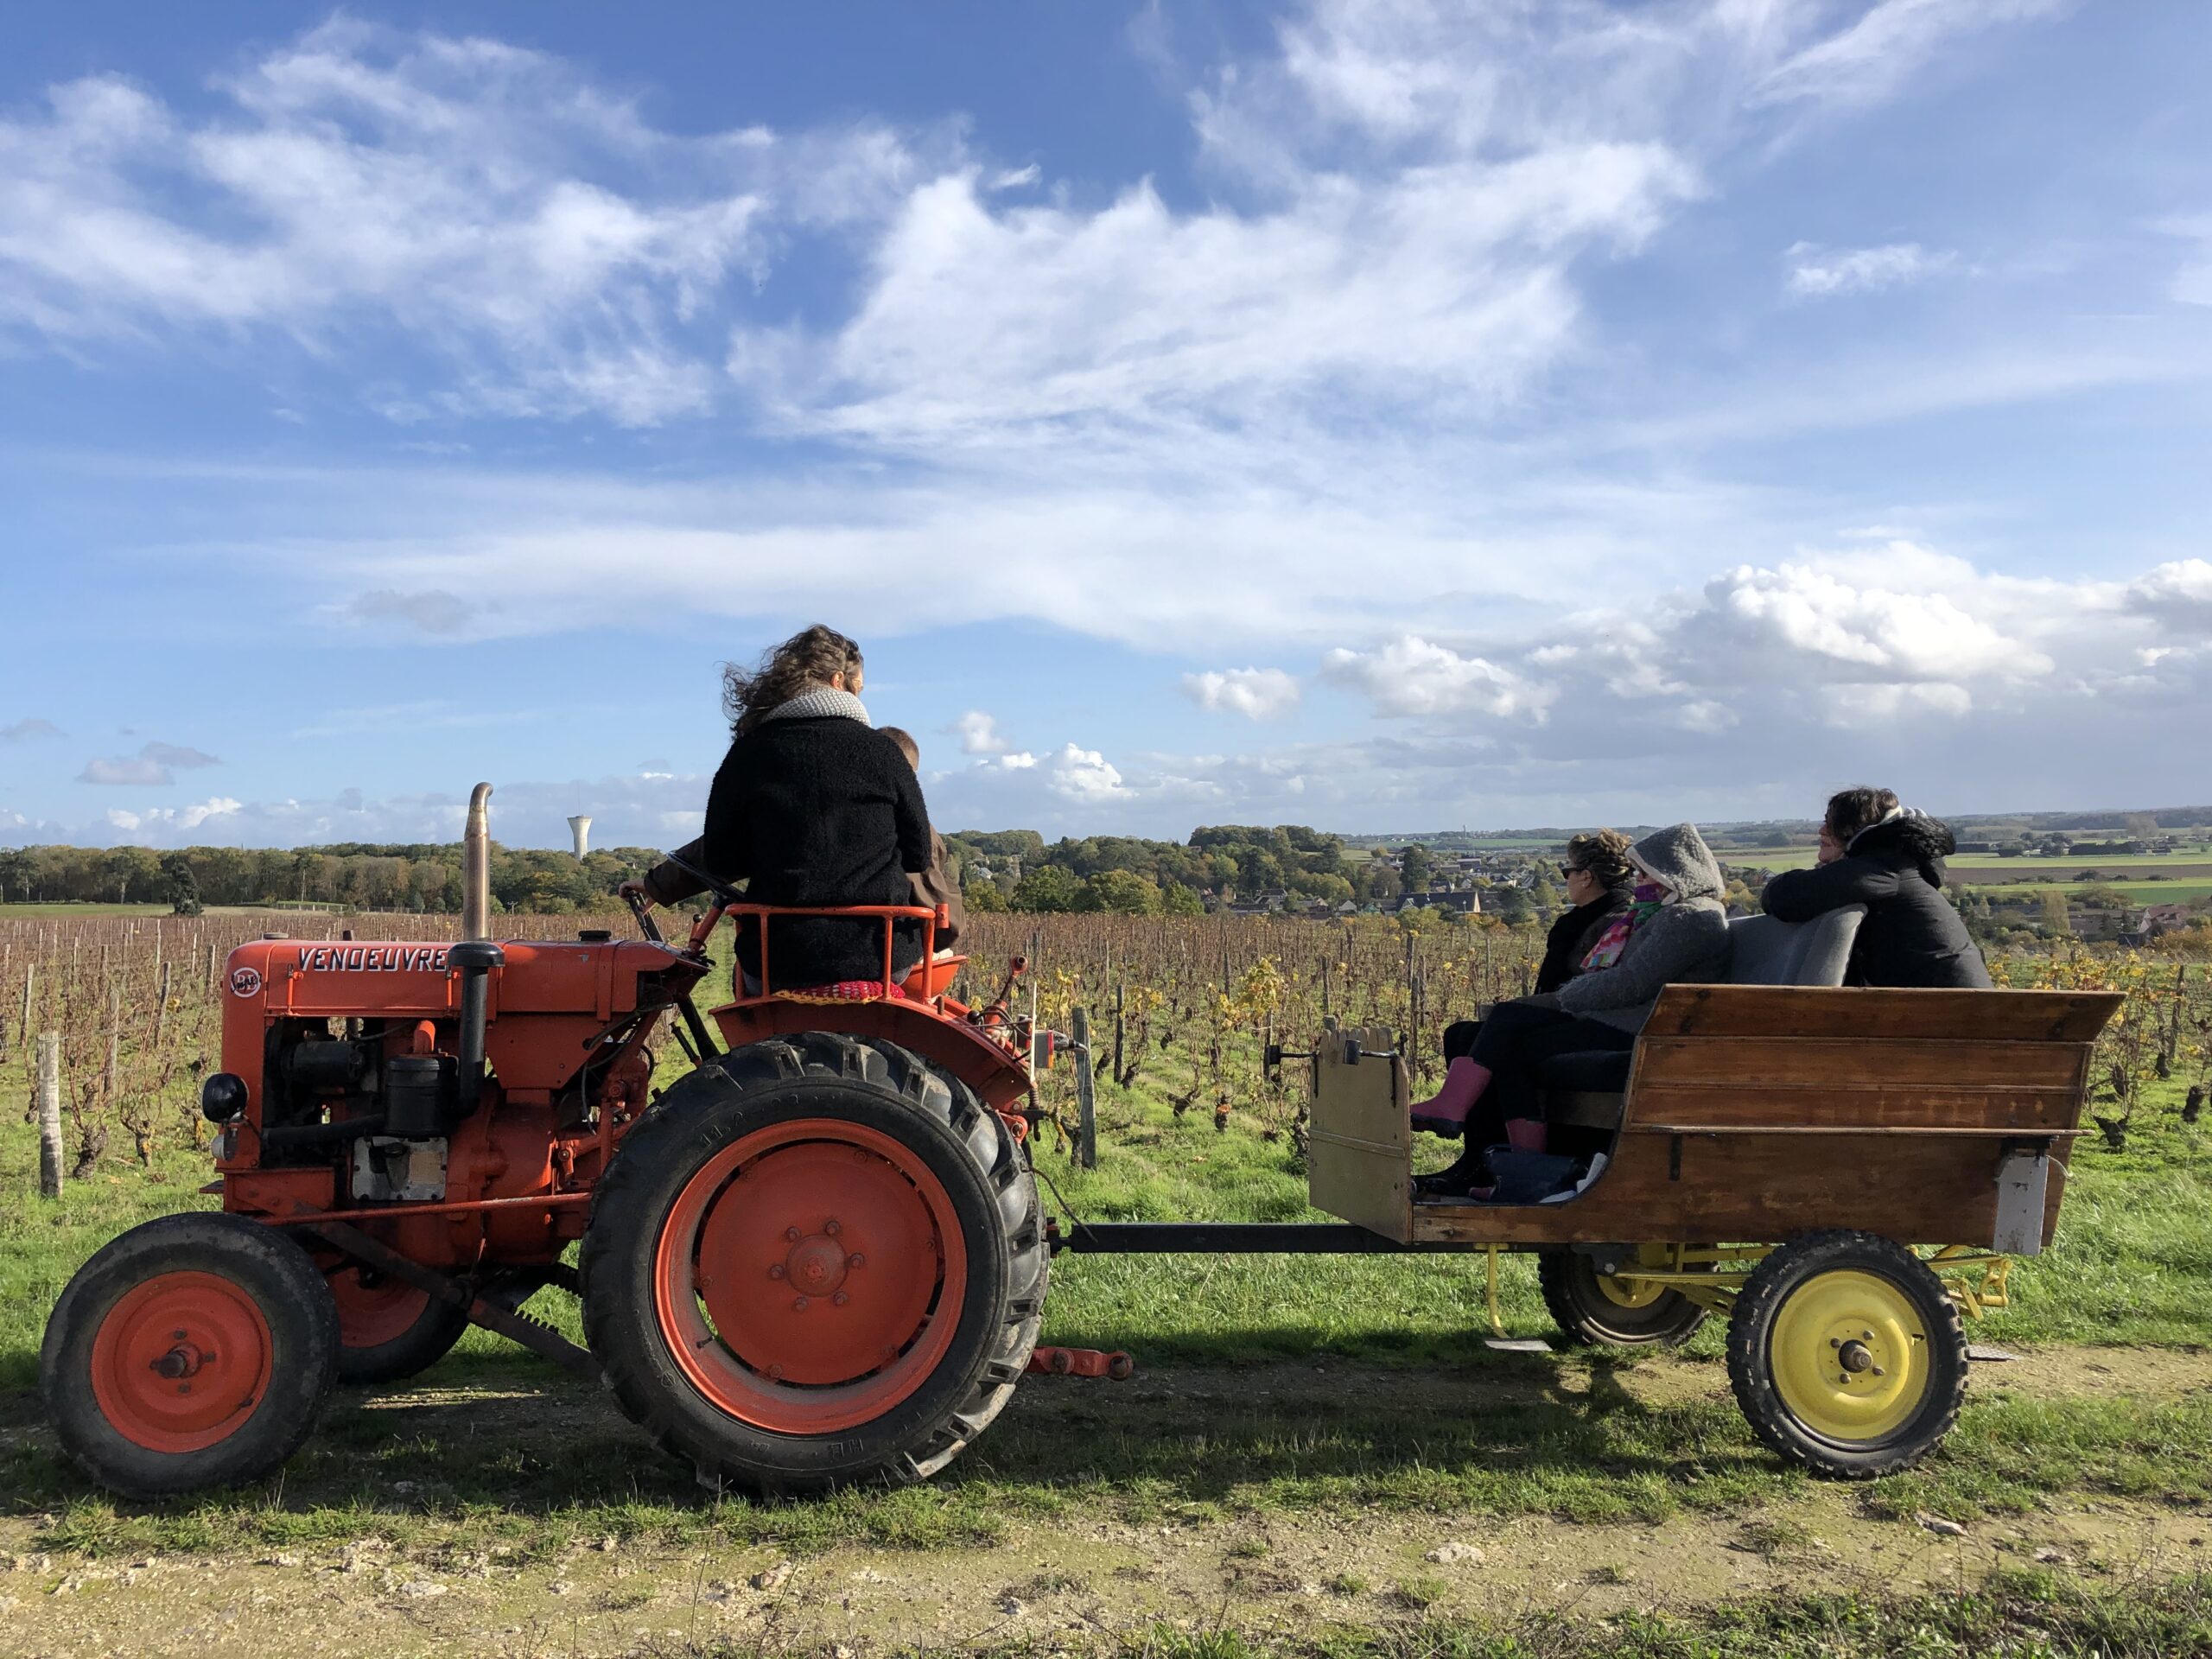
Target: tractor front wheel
x=1847 y=1355
x=195 y=1351
x=814 y=1261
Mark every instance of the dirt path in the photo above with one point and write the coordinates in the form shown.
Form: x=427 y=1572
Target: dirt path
x=1081 y=1577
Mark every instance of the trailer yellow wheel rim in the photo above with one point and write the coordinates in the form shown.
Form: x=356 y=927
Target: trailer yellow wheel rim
x=1849 y=1356
x=1627 y=1291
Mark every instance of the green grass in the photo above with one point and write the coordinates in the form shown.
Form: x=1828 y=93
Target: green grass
x=1195 y=1439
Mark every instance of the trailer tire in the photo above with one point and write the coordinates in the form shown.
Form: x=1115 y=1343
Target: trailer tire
x=814 y=1261
x=1847 y=1355
x=1593 y=1308
x=194 y=1350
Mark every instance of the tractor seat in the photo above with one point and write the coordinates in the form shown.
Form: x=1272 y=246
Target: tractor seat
x=1589 y=1091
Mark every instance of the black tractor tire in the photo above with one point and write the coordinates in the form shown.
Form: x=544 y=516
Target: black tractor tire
x=1589 y=1312
x=201 y=1299
x=1807 y=1395
x=849 y=1088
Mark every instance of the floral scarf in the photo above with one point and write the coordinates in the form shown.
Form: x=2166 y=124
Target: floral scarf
x=1649 y=896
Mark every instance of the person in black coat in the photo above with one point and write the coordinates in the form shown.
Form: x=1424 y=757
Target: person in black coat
x=811 y=808
x=1889 y=858
x=1599 y=880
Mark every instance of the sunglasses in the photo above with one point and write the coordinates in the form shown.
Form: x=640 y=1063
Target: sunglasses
x=1573 y=869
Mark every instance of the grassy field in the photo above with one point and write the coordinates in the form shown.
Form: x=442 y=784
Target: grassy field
x=1305 y=1433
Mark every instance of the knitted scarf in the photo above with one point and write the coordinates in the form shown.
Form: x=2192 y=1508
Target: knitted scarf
x=824 y=700
x=1650 y=895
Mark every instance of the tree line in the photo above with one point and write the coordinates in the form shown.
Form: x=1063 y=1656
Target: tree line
x=1014 y=869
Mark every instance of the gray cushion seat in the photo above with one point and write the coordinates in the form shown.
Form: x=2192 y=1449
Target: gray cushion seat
x=1587 y=1090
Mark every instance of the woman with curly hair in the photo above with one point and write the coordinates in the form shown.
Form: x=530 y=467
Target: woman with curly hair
x=812 y=808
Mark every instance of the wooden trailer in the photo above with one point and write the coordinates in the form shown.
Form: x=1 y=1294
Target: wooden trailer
x=1843 y=1173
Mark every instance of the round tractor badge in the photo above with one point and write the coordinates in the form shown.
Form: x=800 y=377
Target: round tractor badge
x=246 y=981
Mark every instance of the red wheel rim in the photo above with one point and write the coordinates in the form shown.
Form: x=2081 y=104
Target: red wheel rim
x=374 y=1312
x=811 y=1276
x=180 y=1361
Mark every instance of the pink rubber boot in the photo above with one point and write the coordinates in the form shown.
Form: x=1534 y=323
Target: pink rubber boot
x=1446 y=1112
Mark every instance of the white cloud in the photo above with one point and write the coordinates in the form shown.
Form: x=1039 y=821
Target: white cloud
x=978 y=733
x=1797 y=622
x=486 y=201
x=23 y=730
x=1255 y=693
x=1411 y=676
x=1824 y=273
x=148 y=768
x=1017 y=178
x=2176 y=596
x=1868 y=57
x=1083 y=776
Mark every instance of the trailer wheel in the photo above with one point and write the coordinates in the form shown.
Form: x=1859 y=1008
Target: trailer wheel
x=815 y=1260
x=194 y=1350
x=1594 y=1308
x=388 y=1331
x=1847 y=1355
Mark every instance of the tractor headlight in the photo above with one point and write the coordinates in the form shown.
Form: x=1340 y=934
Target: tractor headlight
x=222 y=1097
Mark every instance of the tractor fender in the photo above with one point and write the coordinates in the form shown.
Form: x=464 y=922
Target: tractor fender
x=999 y=1079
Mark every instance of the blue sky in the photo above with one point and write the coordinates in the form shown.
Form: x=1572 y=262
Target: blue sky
x=1380 y=416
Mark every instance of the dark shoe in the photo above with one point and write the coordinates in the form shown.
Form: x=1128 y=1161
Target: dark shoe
x=1468 y=1178
x=1450 y=1128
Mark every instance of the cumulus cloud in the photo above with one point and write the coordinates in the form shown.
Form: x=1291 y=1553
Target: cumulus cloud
x=1796 y=621
x=1824 y=273
x=1411 y=676
x=1084 y=776
x=131 y=770
x=149 y=768
x=1255 y=693
x=164 y=821
x=2176 y=596
x=978 y=733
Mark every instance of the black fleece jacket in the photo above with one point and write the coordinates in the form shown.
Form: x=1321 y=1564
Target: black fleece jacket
x=819 y=812
x=1912 y=935
x=1573 y=933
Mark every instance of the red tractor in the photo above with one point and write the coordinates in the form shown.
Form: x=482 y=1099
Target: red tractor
x=815 y=1256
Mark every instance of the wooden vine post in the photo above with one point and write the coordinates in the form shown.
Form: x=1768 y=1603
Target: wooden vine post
x=50 y=1114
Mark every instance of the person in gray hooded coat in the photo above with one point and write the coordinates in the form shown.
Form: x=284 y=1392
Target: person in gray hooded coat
x=1676 y=932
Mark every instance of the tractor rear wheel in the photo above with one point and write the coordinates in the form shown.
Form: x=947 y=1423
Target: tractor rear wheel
x=1594 y=1308
x=815 y=1260
x=1847 y=1355
x=195 y=1351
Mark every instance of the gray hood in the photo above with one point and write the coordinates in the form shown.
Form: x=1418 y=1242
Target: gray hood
x=1678 y=859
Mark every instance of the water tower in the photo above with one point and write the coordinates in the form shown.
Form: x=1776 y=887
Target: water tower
x=579 y=827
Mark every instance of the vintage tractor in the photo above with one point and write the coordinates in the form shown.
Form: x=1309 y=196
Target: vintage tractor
x=817 y=1255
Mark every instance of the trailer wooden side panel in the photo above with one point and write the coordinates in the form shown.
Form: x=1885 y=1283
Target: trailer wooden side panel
x=1756 y=1112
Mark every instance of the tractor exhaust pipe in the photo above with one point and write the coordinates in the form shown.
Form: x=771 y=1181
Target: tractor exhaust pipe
x=476 y=866
x=476 y=956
